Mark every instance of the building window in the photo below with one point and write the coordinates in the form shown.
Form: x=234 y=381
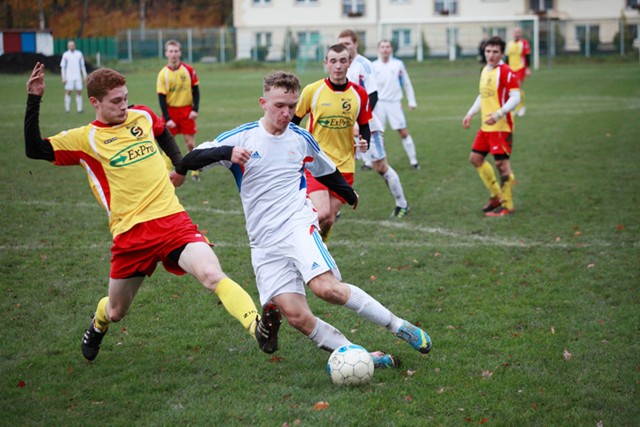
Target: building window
x=301 y=2
x=353 y=7
x=309 y=45
x=446 y=7
x=263 y=39
x=633 y=4
x=541 y=5
x=261 y=2
x=401 y=38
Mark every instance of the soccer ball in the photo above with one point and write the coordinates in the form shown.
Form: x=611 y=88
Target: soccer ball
x=350 y=365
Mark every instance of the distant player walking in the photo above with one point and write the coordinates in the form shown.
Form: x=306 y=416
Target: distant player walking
x=499 y=95
x=518 y=54
x=74 y=73
x=393 y=79
x=179 y=96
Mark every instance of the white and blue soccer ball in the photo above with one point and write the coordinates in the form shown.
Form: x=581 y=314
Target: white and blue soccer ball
x=350 y=365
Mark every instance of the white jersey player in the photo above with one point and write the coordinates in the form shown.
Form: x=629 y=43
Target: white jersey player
x=392 y=78
x=361 y=72
x=73 y=72
x=287 y=252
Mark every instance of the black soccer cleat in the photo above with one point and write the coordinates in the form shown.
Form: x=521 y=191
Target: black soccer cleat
x=267 y=329
x=91 y=342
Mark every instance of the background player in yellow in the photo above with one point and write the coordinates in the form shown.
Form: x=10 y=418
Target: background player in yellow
x=335 y=105
x=179 y=96
x=518 y=54
x=129 y=179
x=499 y=95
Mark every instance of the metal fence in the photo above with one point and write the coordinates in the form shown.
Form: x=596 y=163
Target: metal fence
x=555 y=38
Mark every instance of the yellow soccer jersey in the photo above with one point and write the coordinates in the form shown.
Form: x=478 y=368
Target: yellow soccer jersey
x=495 y=84
x=332 y=116
x=516 y=52
x=177 y=84
x=126 y=171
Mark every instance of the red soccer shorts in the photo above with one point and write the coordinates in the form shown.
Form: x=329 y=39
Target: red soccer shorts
x=314 y=185
x=180 y=116
x=138 y=250
x=493 y=142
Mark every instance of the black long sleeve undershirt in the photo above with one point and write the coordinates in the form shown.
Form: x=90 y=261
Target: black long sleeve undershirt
x=35 y=146
x=197 y=159
x=195 y=92
x=336 y=183
x=162 y=99
x=167 y=142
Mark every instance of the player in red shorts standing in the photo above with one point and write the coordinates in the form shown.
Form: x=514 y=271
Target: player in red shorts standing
x=499 y=95
x=335 y=105
x=518 y=54
x=179 y=96
x=129 y=179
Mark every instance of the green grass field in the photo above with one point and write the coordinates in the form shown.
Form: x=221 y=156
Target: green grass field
x=535 y=318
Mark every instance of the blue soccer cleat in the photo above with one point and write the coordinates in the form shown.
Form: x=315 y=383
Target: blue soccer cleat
x=382 y=360
x=415 y=336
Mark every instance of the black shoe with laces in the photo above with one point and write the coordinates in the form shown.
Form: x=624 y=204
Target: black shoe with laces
x=267 y=329
x=91 y=342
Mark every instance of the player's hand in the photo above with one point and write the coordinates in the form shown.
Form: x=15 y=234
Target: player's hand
x=193 y=115
x=527 y=72
x=171 y=124
x=466 y=121
x=361 y=144
x=412 y=107
x=355 y=205
x=35 y=84
x=176 y=179
x=240 y=155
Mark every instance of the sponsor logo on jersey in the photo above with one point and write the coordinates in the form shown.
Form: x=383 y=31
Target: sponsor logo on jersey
x=110 y=140
x=137 y=131
x=133 y=154
x=335 y=122
x=346 y=105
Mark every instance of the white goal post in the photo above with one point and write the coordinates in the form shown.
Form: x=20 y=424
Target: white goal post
x=452 y=35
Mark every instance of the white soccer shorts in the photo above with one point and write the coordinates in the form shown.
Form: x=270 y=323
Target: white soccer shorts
x=289 y=264
x=392 y=112
x=73 y=85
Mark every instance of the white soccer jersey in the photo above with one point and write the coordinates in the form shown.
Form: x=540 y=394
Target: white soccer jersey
x=361 y=72
x=72 y=65
x=392 y=78
x=272 y=183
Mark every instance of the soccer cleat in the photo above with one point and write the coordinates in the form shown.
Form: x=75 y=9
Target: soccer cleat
x=365 y=167
x=91 y=342
x=267 y=329
x=416 y=166
x=382 y=360
x=521 y=112
x=399 y=212
x=501 y=211
x=493 y=203
x=415 y=336
x=195 y=176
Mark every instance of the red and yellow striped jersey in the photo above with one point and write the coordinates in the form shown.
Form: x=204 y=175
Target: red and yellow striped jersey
x=495 y=84
x=177 y=84
x=332 y=116
x=126 y=172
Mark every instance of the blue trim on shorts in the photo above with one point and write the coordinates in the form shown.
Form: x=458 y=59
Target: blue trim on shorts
x=323 y=250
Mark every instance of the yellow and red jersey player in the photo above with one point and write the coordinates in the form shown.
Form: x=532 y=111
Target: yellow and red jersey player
x=335 y=106
x=518 y=54
x=119 y=151
x=499 y=94
x=179 y=96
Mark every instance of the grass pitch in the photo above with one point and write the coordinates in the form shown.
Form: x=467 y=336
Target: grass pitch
x=534 y=317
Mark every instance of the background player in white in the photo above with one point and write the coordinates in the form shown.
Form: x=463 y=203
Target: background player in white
x=392 y=77
x=286 y=248
x=74 y=73
x=361 y=72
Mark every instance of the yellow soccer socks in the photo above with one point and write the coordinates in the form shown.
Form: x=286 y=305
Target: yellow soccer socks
x=488 y=177
x=507 y=190
x=238 y=303
x=101 y=318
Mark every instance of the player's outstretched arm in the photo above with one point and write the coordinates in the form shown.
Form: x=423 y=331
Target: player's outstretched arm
x=35 y=146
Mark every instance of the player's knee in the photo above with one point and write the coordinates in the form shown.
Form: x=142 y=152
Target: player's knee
x=210 y=278
x=116 y=314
